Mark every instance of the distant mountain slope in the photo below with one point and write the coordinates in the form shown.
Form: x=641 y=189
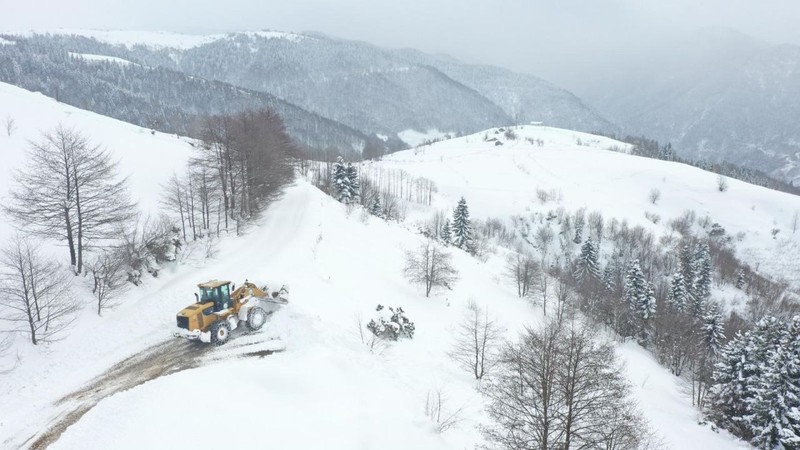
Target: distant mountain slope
x=374 y=90
x=716 y=95
x=154 y=97
x=524 y=97
x=356 y=84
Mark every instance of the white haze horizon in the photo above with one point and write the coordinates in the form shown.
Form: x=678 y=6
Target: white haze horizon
x=562 y=42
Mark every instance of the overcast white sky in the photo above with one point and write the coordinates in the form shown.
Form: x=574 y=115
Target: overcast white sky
x=538 y=36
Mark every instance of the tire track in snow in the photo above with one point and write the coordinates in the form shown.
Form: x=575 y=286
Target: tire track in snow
x=165 y=358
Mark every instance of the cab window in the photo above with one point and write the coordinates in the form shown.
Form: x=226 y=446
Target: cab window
x=208 y=295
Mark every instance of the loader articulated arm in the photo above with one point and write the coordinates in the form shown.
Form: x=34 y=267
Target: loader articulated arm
x=249 y=289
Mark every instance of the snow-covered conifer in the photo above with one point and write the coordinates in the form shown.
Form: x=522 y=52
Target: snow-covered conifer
x=702 y=280
x=714 y=329
x=375 y=207
x=578 y=232
x=678 y=295
x=640 y=298
x=609 y=278
x=462 y=228
x=353 y=185
x=588 y=263
x=446 y=235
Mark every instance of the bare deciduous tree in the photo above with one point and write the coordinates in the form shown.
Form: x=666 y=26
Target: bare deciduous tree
x=654 y=196
x=373 y=342
x=558 y=389
x=109 y=277
x=722 y=183
x=430 y=265
x=70 y=191
x=524 y=272
x=437 y=411
x=544 y=238
x=249 y=155
x=34 y=292
x=478 y=342
x=145 y=243
x=10 y=125
x=174 y=198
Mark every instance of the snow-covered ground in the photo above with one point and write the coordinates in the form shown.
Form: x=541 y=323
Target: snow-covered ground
x=414 y=137
x=327 y=388
x=592 y=172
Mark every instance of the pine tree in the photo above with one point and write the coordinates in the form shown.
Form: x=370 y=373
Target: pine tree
x=578 y=232
x=375 y=207
x=609 y=279
x=775 y=414
x=714 y=330
x=446 y=234
x=730 y=385
x=462 y=229
x=640 y=299
x=702 y=281
x=678 y=295
x=340 y=180
x=740 y=279
x=765 y=399
x=588 y=262
x=686 y=268
x=353 y=185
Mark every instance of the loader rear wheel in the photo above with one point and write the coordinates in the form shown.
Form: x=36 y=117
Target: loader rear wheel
x=220 y=332
x=256 y=318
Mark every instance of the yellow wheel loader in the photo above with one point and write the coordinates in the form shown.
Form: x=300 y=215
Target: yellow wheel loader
x=221 y=308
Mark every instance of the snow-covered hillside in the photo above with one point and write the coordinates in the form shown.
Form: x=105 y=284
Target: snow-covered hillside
x=324 y=386
x=592 y=172
x=147 y=158
x=326 y=380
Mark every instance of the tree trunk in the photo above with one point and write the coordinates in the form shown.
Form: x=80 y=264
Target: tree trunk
x=70 y=238
x=79 y=213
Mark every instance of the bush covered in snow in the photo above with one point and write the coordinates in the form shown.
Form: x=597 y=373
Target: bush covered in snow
x=391 y=323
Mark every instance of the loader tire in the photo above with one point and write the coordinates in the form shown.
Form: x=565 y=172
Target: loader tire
x=220 y=332
x=256 y=318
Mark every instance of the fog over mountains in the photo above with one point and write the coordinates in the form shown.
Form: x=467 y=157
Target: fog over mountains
x=716 y=95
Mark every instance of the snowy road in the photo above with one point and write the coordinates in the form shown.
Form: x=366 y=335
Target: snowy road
x=163 y=359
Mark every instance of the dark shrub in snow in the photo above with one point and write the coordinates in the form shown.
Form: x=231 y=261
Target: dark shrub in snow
x=391 y=323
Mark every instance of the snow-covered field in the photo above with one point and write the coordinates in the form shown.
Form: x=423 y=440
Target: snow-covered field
x=327 y=388
x=414 y=138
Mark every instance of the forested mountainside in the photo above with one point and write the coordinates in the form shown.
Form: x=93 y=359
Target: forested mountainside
x=72 y=71
x=376 y=91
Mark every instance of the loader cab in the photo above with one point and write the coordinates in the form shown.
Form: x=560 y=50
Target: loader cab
x=217 y=292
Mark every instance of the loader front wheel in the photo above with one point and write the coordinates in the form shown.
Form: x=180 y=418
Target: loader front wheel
x=220 y=332
x=256 y=318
